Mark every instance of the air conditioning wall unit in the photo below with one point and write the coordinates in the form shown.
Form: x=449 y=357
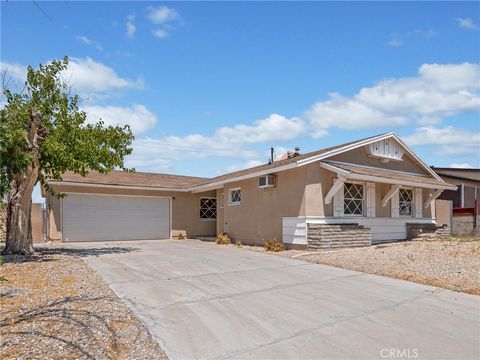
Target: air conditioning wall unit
x=267 y=181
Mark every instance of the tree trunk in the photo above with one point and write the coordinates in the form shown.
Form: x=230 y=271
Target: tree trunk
x=19 y=226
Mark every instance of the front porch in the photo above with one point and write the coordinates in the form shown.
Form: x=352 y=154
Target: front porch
x=367 y=205
x=331 y=232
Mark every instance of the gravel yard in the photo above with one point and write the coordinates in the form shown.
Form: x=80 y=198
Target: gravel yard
x=452 y=264
x=54 y=306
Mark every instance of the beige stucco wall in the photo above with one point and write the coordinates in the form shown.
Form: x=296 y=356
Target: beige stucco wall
x=185 y=209
x=299 y=192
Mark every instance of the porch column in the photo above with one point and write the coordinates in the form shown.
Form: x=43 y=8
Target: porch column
x=370 y=199
x=418 y=200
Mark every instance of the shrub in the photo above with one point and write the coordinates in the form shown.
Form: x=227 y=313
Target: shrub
x=274 y=245
x=238 y=243
x=223 y=239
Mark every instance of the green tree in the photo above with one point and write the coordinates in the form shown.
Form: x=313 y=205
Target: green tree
x=44 y=134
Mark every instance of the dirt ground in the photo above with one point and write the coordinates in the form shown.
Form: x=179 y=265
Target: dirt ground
x=53 y=306
x=453 y=263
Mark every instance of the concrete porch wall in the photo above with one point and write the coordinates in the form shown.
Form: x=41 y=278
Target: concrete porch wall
x=295 y=229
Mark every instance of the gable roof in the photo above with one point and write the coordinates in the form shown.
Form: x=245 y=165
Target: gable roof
x=308 y=158
x=197 y=184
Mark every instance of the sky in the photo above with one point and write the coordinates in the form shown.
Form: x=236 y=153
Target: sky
x=209 y=87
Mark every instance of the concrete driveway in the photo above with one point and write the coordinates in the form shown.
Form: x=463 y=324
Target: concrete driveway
x=200 y=301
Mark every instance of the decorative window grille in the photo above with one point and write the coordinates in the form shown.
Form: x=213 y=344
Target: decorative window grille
x=235 y=196
x=208 y=208
x=353 y=199
x=405 y=202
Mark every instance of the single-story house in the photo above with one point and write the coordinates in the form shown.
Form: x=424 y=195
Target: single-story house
x=371 y=190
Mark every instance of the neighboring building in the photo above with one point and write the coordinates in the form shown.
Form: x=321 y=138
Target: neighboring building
x=374 y=189
x=468 y=182
x=463 y=213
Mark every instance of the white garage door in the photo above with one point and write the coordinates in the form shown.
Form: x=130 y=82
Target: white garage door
x=110 y=217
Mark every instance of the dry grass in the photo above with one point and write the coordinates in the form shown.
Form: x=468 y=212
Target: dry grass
x=223 y=239
x=54 y=306
x=274 y=245
x=452 y=264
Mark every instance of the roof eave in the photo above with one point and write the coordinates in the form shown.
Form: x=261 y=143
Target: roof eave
x=379 y=179
x=116 y=186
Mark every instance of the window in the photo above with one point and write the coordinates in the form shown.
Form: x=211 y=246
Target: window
x=266 y=181
x=353 y=199
x=235 y=197
x=208 y=208
x=405 y=202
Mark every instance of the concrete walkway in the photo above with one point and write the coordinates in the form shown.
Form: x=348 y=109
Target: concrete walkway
x=203 y=301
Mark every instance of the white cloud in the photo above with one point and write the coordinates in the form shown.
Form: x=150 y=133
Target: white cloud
x=165 y=17
x=397 y=39
x=245 y=165
x=395 y=42
x=13 y=72
x=428 y=33
x=160 y=33
x=462 y=166
x=90 y=42
x=226 y=142
x=160 y=154
x=162 y=14
x=467 y=23
x=274 y=128
x=430 y=135
x=138 y=117
x=438 y=91
x=90 y=78
x=449 y=139
x=131 y=28
x=87 y=77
